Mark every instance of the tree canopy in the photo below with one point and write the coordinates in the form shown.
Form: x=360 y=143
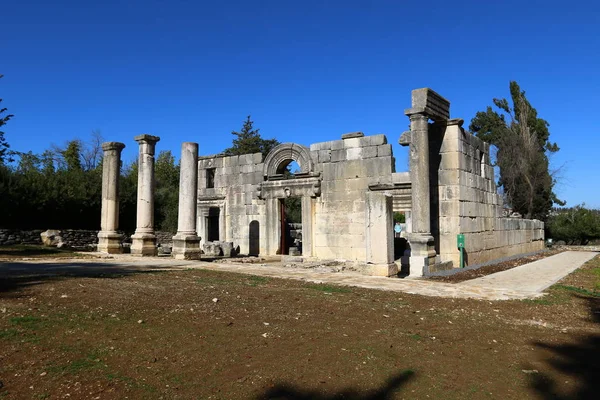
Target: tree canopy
x=62 y=189
x=4 y=147
x=248 y=141
x=576 y=225
x=523 y=144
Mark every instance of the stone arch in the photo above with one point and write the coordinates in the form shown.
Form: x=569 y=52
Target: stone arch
x=285 y=153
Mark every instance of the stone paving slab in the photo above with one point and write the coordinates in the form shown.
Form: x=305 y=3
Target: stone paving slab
x=527 y=281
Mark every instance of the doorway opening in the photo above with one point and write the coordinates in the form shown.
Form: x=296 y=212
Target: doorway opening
x=291 y=226
x=212 y=224
x=401 y=245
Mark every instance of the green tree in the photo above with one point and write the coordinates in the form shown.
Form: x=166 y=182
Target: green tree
x=166 y=196
x=51 y=190
x=128 y=196
x=523 y=144
x=248 y=141
x=5 y=153
x=576 y=225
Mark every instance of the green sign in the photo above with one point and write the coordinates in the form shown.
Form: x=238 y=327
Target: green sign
x=460 y=240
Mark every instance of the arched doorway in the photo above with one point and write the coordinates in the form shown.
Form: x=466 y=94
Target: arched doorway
x=280 y=186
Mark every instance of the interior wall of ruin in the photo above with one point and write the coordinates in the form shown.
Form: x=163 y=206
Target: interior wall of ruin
x=234 y=193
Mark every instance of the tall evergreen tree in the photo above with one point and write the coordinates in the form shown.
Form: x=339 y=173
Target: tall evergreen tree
x=523 y=143
x=248 y=141
x=5 y=154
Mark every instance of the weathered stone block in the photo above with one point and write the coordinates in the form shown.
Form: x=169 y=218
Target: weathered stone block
x=338 y=155
x=369 y=152
x=354 y=153
x=384 y=150
x=352 y=135
x=351 y=143
x=51 y=238
x=374 y=140
x=324 y=156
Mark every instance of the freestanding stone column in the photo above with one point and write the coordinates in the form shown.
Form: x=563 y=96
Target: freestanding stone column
x=144 y=240
x=426 y=104
x=421 y=241
x=109 y=241
x=186 y=243
x=419 y=173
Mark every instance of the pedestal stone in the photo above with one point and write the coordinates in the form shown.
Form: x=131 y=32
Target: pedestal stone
x=422 y=253
x=110 y=242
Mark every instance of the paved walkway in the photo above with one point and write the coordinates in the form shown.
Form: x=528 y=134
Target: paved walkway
x=536 y=276
x=526 y=281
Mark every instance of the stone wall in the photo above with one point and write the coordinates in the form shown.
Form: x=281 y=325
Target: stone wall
x=234 y=195
x=469 y=204
x=348 y=167
x=70 y=237
x=13 y=236
x=333 y=183
x=75 y=238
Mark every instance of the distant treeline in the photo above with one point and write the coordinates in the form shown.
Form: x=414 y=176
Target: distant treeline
x=62 y=189
x=574 y=225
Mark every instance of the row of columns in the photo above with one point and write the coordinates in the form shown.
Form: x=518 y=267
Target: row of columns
x=186 y=243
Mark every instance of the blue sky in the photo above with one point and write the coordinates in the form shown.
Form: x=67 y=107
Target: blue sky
x=306 y=71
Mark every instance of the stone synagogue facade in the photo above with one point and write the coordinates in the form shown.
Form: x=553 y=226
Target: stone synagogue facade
x=349 y=189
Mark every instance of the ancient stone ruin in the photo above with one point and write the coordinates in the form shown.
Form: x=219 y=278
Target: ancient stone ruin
x=348 y=190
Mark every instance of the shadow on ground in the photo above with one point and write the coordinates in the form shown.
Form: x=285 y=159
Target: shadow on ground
x=17 y=276
x=576 y=362
x=391 y=387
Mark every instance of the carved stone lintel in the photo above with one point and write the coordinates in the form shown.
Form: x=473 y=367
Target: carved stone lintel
x=298 y=187
x=428 y=102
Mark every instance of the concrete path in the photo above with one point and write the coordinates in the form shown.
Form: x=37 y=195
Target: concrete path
x=536 y=276
x=526 y=281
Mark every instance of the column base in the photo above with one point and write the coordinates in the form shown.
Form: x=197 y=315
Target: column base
x=386 y=270
x=422 y=253
x=143 y=244
x=186 y=247
x=110 y=242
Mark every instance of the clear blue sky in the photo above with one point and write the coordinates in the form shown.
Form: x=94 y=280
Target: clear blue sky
x=306 y=71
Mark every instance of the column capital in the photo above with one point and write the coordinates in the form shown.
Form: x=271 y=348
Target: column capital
x=107 y=146
x=418 y=117
x=146 y=139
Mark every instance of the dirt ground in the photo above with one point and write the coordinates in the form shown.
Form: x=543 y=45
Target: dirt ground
x=194 y=334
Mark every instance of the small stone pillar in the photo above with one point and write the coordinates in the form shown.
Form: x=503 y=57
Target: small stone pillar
x=186 y=243
x=380 y=234
x=144 y=240
x=109 y=241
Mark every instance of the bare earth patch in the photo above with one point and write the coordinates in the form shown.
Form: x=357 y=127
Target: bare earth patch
x=197 y=334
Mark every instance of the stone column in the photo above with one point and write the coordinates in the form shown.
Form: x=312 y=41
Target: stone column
x=307 y=225
x=419 y=173
x=109 y=241
x=144 y=240
x=421 y=240
x=380 y=234
x=186 y=243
